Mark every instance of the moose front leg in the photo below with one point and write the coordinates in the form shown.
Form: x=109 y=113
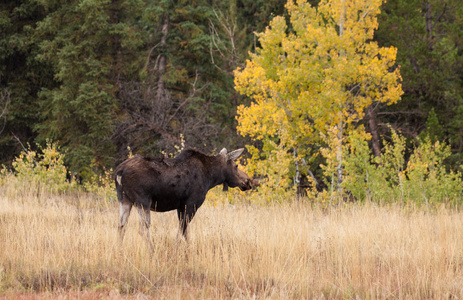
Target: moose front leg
x=185 y=216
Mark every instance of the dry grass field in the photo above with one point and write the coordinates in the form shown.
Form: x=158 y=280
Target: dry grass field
x=66 y=247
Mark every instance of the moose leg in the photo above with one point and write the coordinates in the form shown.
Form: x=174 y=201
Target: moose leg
x=184 y=217
x=182 y=224
x=125 y=207
x=145 y=223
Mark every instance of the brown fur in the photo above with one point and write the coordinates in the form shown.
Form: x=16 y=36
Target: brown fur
x=181 y=183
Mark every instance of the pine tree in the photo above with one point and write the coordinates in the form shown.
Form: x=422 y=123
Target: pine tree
x=21 y=76
x=88 y=44
x=186 y=87
x=429 y=38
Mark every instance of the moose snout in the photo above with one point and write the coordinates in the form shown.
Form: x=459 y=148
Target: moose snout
x=247 y=185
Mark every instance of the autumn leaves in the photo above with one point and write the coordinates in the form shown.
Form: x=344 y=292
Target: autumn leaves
x=321 y=71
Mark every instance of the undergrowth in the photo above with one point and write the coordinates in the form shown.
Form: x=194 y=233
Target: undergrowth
x=43 y=171
x=417 y=177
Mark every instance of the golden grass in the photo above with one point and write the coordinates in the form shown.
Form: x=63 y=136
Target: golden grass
x=66 y=246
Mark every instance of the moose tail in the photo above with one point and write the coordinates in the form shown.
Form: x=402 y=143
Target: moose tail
x=118 y=181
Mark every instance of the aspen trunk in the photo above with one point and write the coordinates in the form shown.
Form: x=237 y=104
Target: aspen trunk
x=340 y=124
x=429 y=26
x=339 y=159
x=161 y=66
x=374 y=131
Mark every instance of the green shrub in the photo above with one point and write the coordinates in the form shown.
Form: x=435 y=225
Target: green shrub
x=423 y=179
x=101 y=185
x=44 y=169
x=363 y=179
x=427 y=179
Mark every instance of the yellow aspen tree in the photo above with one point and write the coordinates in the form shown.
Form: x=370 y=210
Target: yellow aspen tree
x=320 y=72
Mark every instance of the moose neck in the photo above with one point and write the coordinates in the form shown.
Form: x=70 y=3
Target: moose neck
x=216 y=171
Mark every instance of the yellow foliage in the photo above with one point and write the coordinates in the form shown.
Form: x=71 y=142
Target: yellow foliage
x=323 y=73
x=45 y=170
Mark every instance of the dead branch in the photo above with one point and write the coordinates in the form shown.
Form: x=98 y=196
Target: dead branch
x=4 y=103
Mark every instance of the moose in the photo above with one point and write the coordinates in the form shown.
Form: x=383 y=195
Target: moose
x=181 y=183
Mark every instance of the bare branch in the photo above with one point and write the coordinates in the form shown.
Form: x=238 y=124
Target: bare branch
x=149 y=57
x=19 y=141
x=218 y=43
x=4 y=102
x=402 y=112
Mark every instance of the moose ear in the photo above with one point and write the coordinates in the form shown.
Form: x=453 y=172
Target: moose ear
x=223 y=151
x=235 y=154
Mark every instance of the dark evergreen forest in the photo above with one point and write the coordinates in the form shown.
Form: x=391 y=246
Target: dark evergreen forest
x=99 y=76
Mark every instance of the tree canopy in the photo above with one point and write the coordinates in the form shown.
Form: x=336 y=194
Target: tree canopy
x=323 y=73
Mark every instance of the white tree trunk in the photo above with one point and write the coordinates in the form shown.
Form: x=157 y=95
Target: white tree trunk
x=340 y=125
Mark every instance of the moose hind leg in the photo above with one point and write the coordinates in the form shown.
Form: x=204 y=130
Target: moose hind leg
x=125 y=208
x=145 y=223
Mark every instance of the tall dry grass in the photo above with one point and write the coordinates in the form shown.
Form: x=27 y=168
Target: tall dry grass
x=67 y=245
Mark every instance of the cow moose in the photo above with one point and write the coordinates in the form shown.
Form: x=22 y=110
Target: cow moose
x=180 y=183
